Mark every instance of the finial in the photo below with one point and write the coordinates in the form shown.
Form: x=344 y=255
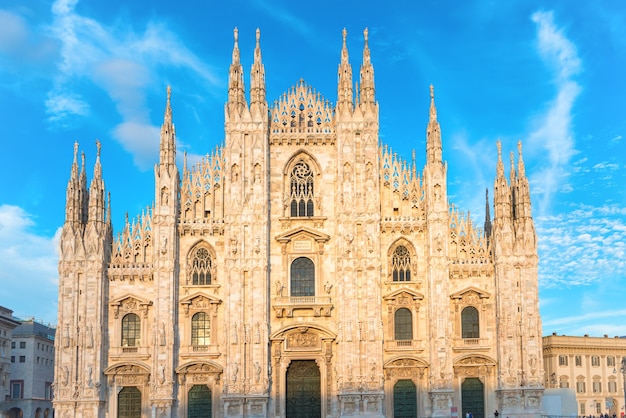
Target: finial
x=432 y=92
x=519 y=148
x=236 y=34
x=98 y=147
x=169 y=93
x=365 y=35
x=499 y=146
x=258 y=35
x=82 y=159
x=344 y=33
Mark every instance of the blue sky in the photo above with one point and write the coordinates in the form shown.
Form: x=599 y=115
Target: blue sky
x=548 y=73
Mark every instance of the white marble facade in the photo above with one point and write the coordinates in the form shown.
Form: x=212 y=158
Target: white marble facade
x=301 y=254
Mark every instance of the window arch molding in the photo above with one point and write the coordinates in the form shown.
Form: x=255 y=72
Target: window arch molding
x=302 y=189
x=201 y=265
x=401 y=262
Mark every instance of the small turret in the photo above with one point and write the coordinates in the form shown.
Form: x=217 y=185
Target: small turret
x=73 y=208
x=523 y=207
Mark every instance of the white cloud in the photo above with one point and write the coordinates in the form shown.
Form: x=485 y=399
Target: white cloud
x=28 y=266
x=582 y=247
x=122 y=62
x=554 y=130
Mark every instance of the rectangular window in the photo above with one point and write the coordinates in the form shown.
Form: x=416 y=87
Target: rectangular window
x=48 y=390
x=22 y=344
x=564 y=384
x=597 y=387
x=579 y=361
x=582 y=408
x=562 y=360
x=580 y=387
x=12 y=344
x=12 y=359
x=612 y=387
x=22 y=359
x=610 y=361
x=17 y=388
x=595 y=361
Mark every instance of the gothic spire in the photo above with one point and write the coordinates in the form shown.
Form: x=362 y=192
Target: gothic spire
x=344 y=89
x=433 y=133
x=72 y=200
x=258 y=100
x=236 y=92
x=82 y=190
x=502 y=198
x=96 y=190
x=367 y=74
x=523 y=188
x=167 y=147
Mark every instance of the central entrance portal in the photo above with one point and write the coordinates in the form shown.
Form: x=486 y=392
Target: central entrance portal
x=473 y=397
x=304 y=399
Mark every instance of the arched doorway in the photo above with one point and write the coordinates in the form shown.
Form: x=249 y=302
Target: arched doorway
x=129 y=402
x=304 y=398
x=199 y=402
x=473 y=397
x=404 y=399
x=16 y=413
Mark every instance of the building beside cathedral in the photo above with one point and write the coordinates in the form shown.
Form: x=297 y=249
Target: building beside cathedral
x=300 y=270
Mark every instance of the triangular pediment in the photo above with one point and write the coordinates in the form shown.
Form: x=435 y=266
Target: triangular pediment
x=302 y=233
x=130 y=300
x=200 y=299
x=404 y=294
x=469 y=290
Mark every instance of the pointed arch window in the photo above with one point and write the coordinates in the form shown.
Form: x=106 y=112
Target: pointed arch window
x=302 y=277
x=200 y=329
x=469 y=323
x=403 y=324
x=201 y=266
x=131 y=330
x=401 y=264
x=301 y=190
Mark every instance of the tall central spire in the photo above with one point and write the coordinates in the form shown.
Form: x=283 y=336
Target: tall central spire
x=344 y=89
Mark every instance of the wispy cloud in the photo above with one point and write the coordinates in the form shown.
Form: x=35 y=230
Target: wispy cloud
x=122 y=62
x=28 y=265
x=582 y=247
x=554 y=130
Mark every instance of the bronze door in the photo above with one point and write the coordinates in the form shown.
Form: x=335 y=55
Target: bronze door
x=404 y=399
x=304 y=398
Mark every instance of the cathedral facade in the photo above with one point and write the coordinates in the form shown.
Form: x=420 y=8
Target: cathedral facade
x=300 y=270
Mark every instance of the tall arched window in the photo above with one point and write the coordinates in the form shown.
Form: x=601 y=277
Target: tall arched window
x=200 y=329
x=469 y=323
x=131 y=330
x=200 y=268
x=129 y=402
x=401 y=264
x=302 y=277
x=403 y=324
x=301 y=190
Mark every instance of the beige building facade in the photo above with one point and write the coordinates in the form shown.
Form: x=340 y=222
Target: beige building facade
x=593 y=367
x=301 y=270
